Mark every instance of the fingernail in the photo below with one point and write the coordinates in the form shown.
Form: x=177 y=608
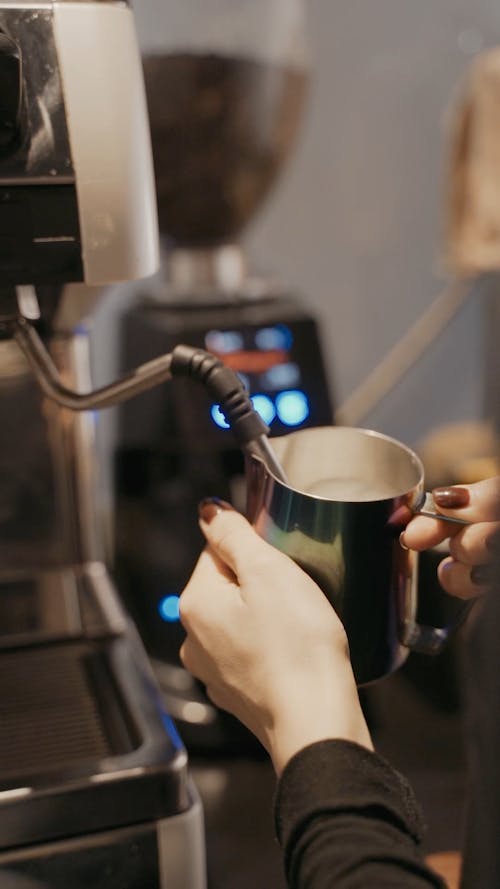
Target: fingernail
x=451 y=498
x=481 y=574
x=210 y=506
x=402 y=541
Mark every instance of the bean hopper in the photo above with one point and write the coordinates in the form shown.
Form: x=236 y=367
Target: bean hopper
x=226 y=87
x=94 y=786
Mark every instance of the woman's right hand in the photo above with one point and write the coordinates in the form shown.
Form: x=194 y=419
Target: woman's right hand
x=474 y=556
x=266 y=642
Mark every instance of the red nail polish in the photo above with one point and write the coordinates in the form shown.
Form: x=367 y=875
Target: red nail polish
x=210 y=506
x=451 y=498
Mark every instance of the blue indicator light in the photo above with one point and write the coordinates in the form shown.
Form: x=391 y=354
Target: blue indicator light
x=286 y=334
x=218 y=417
x=292 y=407
x=169 y=608
x=281 y=376
x=223 y=341
x=264 y=407
x=277 y=337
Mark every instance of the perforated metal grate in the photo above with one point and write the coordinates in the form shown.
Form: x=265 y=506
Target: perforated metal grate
x=49 y=716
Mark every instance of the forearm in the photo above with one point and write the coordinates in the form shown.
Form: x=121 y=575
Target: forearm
x=327 y=708
x=345 y=818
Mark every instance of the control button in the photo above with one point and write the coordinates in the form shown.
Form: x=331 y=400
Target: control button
x=10 y=94
x=218 y=417
x=277 y=337
x=264 y=406
x=281 y=376
x=223 y=342
x=292 y=407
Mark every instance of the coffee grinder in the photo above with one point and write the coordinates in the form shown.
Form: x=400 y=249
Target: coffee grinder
x=94 y=787
x=226 y=85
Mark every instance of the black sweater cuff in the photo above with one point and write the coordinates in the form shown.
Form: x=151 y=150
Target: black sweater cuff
x=340 y=776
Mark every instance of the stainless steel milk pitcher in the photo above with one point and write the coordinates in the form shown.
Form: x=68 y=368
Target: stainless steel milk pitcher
x=349 y=494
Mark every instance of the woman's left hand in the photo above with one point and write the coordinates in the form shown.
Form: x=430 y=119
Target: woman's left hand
x=472 y=565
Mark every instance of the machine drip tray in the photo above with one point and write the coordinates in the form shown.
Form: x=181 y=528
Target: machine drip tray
x=60 y=707
x=85 y=744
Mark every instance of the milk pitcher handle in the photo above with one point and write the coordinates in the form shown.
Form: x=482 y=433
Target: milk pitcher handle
x=425 y=506
x=418 y=637
x=431 y=640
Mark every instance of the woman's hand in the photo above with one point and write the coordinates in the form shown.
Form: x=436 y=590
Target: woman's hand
x=475 y=548
x=266 y=642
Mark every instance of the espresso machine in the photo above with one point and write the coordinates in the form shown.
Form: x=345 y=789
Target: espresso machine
x=94 y=782
x=226 y=87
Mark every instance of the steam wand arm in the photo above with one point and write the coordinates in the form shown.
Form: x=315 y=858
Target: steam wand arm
x=247 y=426
x=139 y=380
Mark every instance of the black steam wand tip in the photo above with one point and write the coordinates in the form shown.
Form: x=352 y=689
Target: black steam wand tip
x=228 y=391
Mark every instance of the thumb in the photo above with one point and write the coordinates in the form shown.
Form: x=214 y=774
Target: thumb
x=231 y=537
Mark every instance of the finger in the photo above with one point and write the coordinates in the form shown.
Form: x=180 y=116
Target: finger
x=463 y=581
x=424 y=532
x=199 y=660
x=232 y=538
x=209 y=570
x=216 y=694
x=476 y=544
x=186 y=656
x=479 y=502
x=195 y=662
x=208 y=593
x=192 y=659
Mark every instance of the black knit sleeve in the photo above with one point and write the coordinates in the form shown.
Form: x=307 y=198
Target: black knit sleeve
x=347 y=820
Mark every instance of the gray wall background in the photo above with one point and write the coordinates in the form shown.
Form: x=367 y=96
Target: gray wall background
x=354 y=224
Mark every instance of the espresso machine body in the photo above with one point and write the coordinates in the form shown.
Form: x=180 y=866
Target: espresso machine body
x=94 y=783
x=74 y=133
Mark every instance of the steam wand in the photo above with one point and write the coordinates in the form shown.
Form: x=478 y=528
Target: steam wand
x=227 y=389
x=222 y=382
